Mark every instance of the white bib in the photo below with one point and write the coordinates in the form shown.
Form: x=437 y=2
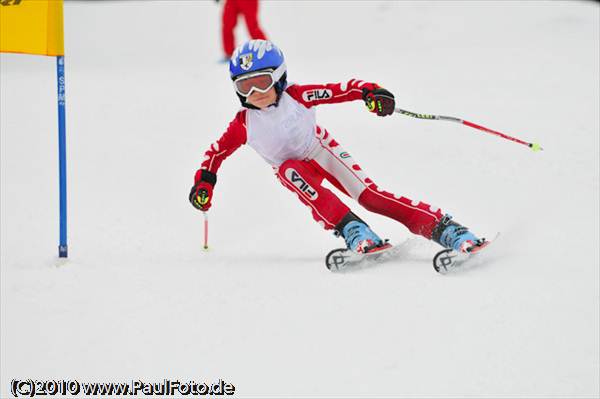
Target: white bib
x=283 y=132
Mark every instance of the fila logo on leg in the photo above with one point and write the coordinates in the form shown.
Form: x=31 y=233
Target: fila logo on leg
x=317 y=94
x=301 y=184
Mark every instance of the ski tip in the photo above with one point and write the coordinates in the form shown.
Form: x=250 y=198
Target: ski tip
x=336 y=258
x=443 y=259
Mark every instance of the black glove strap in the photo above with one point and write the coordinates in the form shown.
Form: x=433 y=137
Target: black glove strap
x=208 y=177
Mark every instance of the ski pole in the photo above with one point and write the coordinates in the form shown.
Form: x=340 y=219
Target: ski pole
x=205 y=230
x=533 y=146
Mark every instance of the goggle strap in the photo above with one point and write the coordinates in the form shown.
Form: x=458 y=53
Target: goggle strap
x=278 y=73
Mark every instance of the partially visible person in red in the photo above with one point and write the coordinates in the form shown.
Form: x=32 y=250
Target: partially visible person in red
x=231 y=11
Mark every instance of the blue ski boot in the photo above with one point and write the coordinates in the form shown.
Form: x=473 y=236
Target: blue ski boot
x=450 y=234
x=357 y=234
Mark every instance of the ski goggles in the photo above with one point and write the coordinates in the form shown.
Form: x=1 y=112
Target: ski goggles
x=260 y=81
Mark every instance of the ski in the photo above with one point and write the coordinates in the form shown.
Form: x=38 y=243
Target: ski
x=343 y=258
x=444 y=261
x=448 y=260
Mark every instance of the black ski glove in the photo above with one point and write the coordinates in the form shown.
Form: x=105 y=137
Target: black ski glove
x=379 y=101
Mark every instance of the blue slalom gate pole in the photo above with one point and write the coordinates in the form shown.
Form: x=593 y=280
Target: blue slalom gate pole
x=62 y=156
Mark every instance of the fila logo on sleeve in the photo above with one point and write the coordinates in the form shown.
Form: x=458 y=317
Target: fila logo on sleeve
x=317 y=94
x=301 y=184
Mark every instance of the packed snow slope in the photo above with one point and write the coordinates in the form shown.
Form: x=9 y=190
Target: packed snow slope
x=138 y=298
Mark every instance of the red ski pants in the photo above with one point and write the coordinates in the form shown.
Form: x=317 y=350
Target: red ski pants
x=231 y=10
x=330 y=161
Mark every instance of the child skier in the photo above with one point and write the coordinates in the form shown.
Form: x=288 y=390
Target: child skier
x=278 y=120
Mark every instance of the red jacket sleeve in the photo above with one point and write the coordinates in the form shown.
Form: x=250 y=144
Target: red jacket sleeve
x=234 y=137
x=329 y=93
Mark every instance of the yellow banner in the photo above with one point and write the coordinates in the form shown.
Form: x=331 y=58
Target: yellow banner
x=31 y=27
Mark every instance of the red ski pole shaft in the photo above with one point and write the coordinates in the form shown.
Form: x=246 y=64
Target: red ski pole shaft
x=504 y=136
x=205 y=230
x=533 y=146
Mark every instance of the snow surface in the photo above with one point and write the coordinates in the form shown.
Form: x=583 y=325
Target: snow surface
x=140 y=299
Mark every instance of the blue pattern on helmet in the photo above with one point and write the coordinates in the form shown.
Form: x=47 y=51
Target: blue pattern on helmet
x=255 y=55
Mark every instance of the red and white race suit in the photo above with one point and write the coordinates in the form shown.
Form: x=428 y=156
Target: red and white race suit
x=303 y=154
